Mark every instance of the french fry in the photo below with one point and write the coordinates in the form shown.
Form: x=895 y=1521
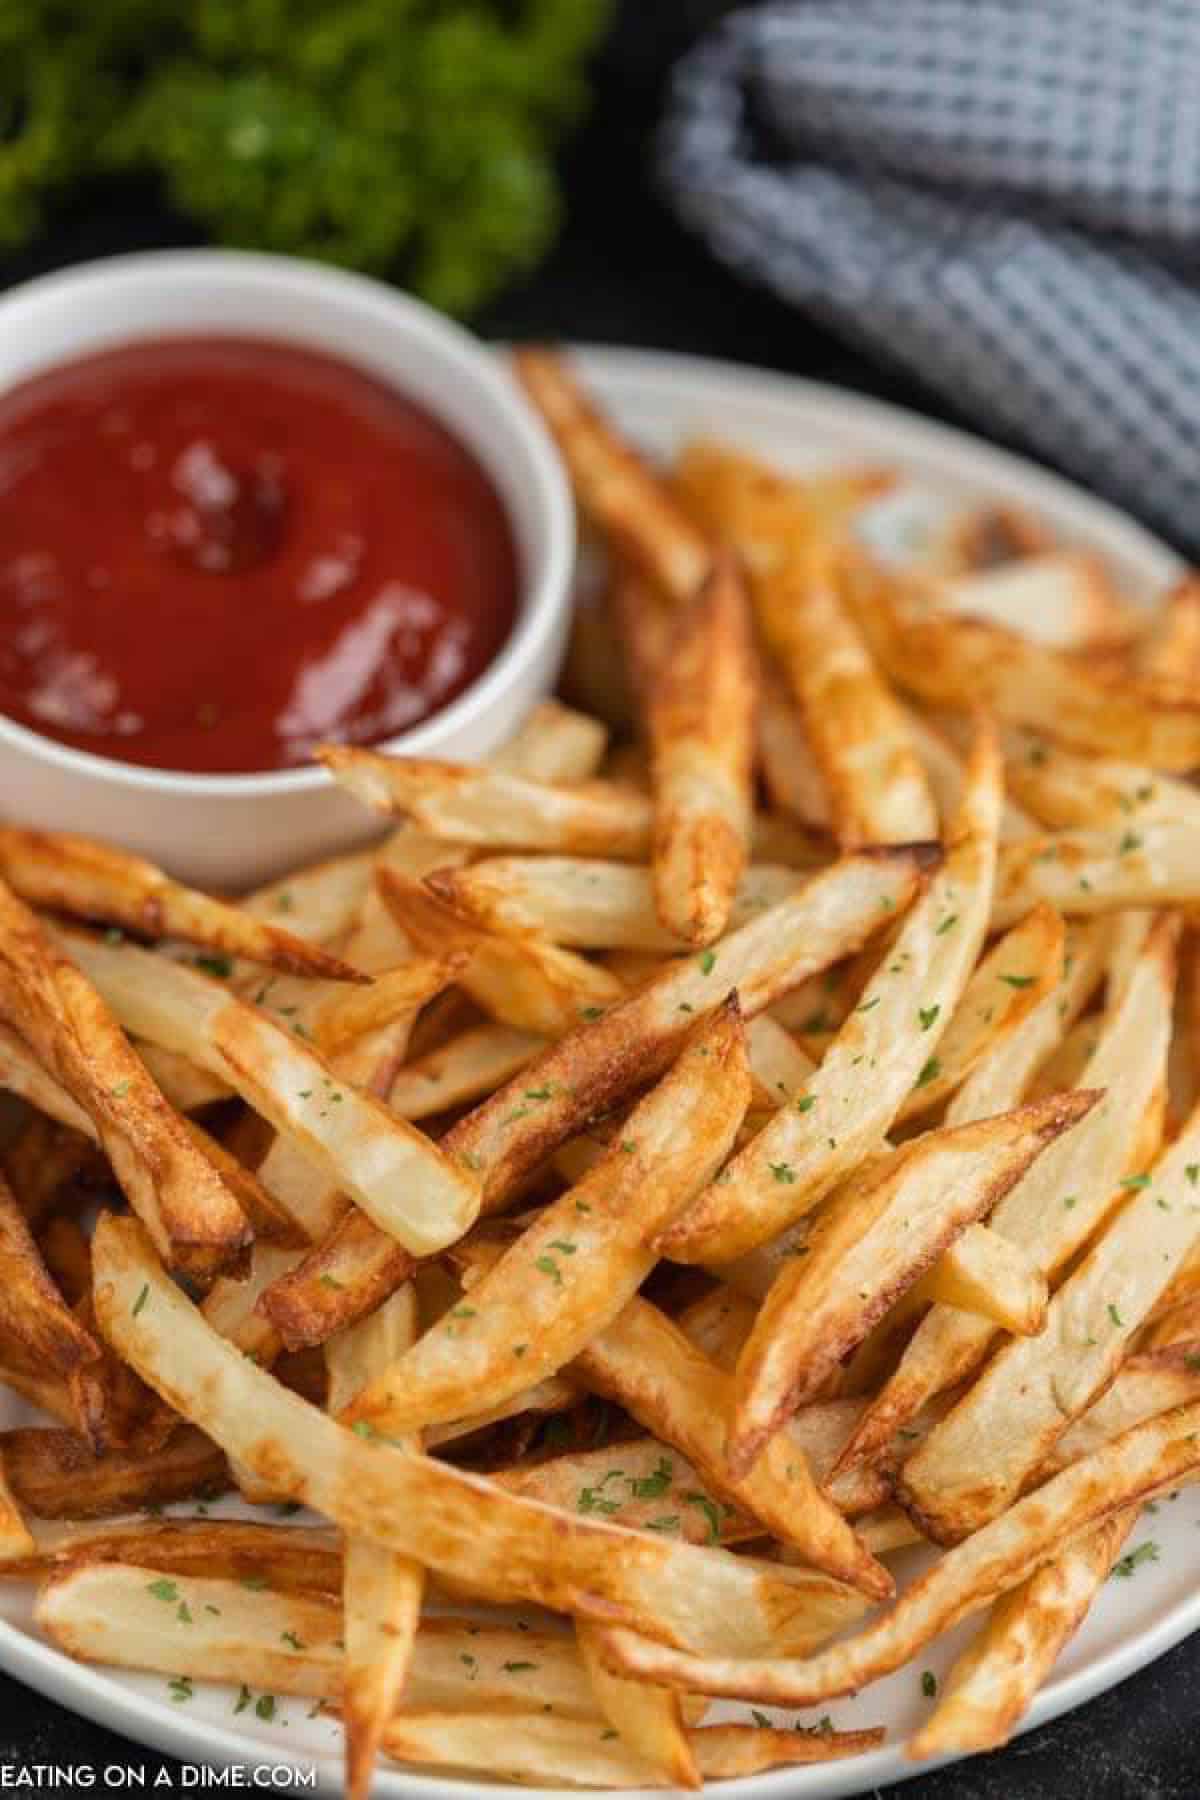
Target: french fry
x=649 y=1367
x=767 y=514
x=641 y=1483
x=614 y=486
x=789 y=769
x=1083 y=1169
x=718 y=1324
x=1149 y=863
x=55 y=1474
x=945 y=772
x=187 y=1086
x=466 y=1068
x=397 y=1176
x=979 y=1456
x=36 y=1324
x=700 y=718
x=589 y=905
x=540 y=1750
x=1064 y=599
x=382 y=1592
x=488 y=1540
x=570 y=1272
x=16 y=1541
x=991 y=1685
x=284 y=1558
x=648 y=1720
x=1007 y=984
x=1169 y=653
x=982 y=1272
x=598 y=1064
x=521 y=982
x=869 y=1244
x=942 y=658
x=192 y=1215
x=343 y=1279
x=90 y=880
x=488 y=808
x=319 y=903
x=555 y=743
x=885 y=1049
x=1147 y=1384
x=1065 y=791
x=1149 y=1460
x=289 y=1642
x=859 y=734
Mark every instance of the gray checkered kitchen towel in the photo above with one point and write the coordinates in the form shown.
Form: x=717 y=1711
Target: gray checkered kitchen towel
x=1001 y=195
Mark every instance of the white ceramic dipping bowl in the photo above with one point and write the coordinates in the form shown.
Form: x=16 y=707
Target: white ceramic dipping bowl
x=230 y=832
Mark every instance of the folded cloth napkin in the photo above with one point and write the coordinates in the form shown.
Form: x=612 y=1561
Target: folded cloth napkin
x=1002 y=196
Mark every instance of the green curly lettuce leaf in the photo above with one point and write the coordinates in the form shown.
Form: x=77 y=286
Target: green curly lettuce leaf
x=409 y=137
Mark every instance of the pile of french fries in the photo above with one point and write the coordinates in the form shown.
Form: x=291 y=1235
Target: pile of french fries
x=743 y=1131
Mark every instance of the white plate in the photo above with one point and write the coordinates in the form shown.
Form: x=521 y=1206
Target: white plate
x=661 y=400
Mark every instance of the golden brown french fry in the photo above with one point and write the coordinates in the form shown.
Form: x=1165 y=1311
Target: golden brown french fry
x=1139 y=863
x=718 y=1324
x=318 y=903
x=790 y=774
x=1083 y=1170
x=286 y=1558
x=1008 y=983
x=1066 y=791
x=1169 y=654
x=945 y=659
x=36 y=1324
x=885 y=1048
x=1146 y=1461
x=614 y=486
x=187 y=1086
x=767 y=514
x=555 y=743
x=648 y=1720
x=589 y=904
x=991 y=1685
x=382 y=1592
x=289 y=1642
x=486 y=1539
x=55 y=1474
x=394 y=1173
x=192 y=1215
x=642 y=1483
x=487 y=807
x=1064 y=599
x=570 y=1272
x=700 y=717
x=537 y=1750
x=520 y=981
x=65 y=873
x=982 y=1272
x=464 y=1069
x=1148 y=1383
x=982 y=1452
x=16 y=1540
x=343 y=1279
x=590 y=1071
x=939 y=751
x=650 y=1368
x=871 y=1241
x=859 y=734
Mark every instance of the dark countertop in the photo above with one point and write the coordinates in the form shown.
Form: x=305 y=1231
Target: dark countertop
x=623 y=273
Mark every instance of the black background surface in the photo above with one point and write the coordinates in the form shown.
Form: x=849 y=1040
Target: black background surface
x=624 y=273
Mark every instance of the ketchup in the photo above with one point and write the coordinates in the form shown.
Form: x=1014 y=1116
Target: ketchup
x=216 y=553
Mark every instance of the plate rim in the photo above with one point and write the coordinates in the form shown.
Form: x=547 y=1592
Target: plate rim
x=92 y=1692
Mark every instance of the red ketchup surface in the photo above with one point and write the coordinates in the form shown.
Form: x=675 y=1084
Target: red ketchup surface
x=216 y=553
